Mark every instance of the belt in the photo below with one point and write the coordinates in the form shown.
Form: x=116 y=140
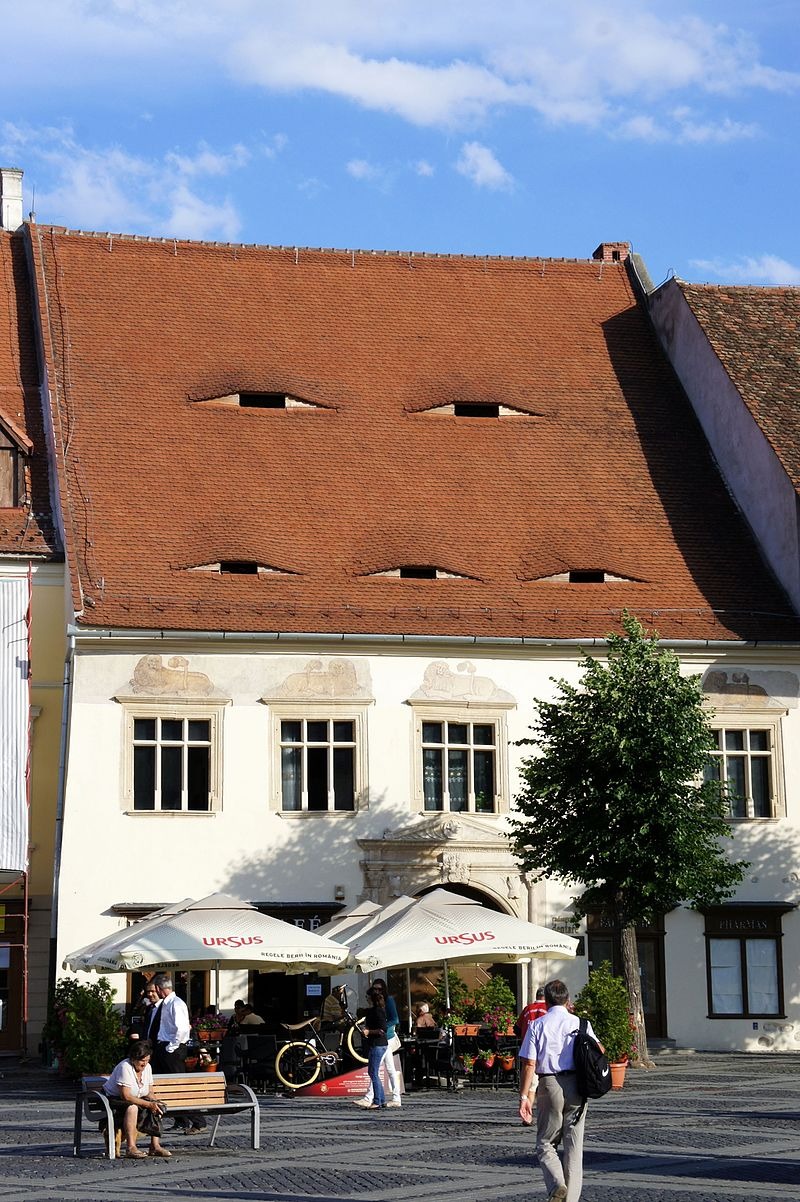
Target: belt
x=564 y=1072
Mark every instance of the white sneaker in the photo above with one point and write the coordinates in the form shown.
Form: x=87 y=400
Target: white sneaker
x=361 y=1102
x=396 y=1104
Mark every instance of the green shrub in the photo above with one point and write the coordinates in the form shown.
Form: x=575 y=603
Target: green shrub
x=604 y=1001
x=459 y=996
x=495 y=1003
x=83 y=1027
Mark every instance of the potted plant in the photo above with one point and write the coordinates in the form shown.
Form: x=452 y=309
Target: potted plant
x=604 y=1002
x=487 y=1058
x=83 y=1028
x=496 y=1004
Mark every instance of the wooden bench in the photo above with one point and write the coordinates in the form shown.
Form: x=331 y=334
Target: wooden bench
x=182 y=1093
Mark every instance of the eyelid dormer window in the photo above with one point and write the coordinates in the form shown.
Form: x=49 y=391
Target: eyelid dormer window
x=260 y=400
x=585 y=576
x=474 y=409
x=419 y=571
x=240 y=567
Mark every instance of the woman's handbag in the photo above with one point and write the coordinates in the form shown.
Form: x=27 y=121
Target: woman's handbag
x=149 y=1121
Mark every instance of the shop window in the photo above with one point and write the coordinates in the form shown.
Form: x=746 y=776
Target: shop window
x=173 y=759
x=746 y=761
x=743 y=960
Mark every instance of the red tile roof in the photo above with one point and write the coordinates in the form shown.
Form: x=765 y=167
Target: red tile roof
x=755 y=332
x=28 y=529
x=605 y=470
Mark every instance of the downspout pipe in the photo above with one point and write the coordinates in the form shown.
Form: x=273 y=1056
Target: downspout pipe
x=66 y=715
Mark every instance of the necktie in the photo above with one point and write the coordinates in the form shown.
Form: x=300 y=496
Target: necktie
x=155 y=1023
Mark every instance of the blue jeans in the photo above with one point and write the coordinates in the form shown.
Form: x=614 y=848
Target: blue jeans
x=376 y=1055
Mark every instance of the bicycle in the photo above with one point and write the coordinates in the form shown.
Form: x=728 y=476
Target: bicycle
x=301 y=1061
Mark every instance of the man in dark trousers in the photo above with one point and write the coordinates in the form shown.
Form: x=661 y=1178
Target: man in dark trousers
x=548 y=1049
x=170 y=1032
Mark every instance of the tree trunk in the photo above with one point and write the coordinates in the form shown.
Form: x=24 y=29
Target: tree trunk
x=630 y=968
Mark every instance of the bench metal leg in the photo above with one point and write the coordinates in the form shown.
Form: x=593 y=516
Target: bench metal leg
x=256 y=1128
x=214 y=1129
x=77 y=1133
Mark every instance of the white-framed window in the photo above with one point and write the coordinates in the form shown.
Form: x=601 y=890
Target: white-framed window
x=747 y=760
x=743 y=960
x=461 y=759
x=320 y=757
x=173 y=757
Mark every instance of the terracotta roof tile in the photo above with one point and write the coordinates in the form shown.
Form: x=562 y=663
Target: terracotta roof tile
x=613 y=475
x=756 y=334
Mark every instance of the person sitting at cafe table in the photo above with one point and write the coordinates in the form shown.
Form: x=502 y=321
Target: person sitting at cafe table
x=245 y=1016
x=332 y=1013
x=425 y=1019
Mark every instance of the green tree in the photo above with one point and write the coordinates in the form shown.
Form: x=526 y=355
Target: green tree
x=615 y=799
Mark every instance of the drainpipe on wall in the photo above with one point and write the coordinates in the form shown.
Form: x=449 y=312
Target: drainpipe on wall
x=66 y=712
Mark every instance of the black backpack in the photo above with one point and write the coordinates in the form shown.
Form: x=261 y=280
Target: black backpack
x=592 y=1074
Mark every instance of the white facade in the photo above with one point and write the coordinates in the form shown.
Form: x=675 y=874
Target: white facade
x=253 y=694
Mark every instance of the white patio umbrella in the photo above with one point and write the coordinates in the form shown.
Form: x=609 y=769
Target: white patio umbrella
x=445 y=926
x=216 y=932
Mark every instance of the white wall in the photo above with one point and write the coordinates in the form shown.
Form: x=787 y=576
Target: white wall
x=252 y=851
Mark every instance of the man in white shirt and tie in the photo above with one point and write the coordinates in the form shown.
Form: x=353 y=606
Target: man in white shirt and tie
x=547 y=1050
x=170 y=1031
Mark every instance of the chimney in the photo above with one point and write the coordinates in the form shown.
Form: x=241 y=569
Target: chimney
x=10 y=198
x=613 y=252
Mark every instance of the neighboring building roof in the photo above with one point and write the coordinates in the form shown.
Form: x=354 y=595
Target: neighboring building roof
x=600 y=466
x=755 y=333
x=28 y=528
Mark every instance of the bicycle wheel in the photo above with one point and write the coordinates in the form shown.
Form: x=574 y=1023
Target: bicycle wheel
x=352 y=1041
x=296 y=1065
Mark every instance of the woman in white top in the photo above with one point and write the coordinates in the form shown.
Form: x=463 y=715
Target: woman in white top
x=128 y=1089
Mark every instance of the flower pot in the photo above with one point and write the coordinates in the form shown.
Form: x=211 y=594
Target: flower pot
x=487 y=1061
x=507 y=1063
x=211 y=1068
x=618 y=1068
x=460 y=1030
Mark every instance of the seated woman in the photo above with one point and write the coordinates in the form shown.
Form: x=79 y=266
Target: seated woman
x=425 y=1020
x=128 y=1089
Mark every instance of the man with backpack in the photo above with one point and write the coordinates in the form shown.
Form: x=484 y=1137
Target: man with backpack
x=548 y=1050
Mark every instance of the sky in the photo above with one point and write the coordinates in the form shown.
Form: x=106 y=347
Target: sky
x=479 y=127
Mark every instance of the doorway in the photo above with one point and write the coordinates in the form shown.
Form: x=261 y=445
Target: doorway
x=603 y=943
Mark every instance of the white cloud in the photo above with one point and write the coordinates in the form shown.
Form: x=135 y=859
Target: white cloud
x=763 y=269
x=682 y=127
x=478 y=164
x=107 y=189
x=208 y=162
x=607 y=64
x=274 y=146
x=423 y=167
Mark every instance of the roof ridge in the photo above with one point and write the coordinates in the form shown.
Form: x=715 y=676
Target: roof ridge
x=369 y=252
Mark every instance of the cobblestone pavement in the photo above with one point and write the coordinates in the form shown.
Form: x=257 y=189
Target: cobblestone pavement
x=700 y=1128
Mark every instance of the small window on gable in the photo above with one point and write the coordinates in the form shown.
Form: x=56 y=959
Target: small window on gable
x=11 y=472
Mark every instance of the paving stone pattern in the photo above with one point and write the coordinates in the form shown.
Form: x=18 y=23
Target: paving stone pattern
x=700 y=1128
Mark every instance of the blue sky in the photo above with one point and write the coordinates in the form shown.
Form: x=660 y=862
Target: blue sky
x=516 y=127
